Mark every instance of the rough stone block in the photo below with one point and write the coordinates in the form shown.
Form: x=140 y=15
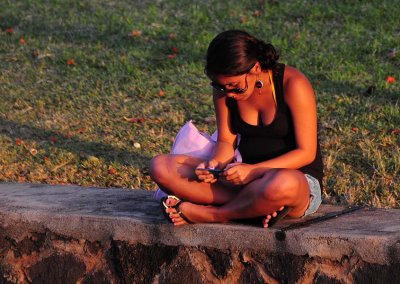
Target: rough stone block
x=71 y=234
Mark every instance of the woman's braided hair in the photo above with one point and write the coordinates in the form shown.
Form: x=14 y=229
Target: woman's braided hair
x=235 y=52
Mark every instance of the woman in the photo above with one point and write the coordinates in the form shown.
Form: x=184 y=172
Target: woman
x=267 y=110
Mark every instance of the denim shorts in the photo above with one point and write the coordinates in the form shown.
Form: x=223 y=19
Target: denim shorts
x=315 y=195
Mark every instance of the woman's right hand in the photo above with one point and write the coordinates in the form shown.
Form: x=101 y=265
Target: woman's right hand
x=204 y=175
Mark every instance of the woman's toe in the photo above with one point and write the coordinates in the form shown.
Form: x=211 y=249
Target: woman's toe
x=169 y=211
x=179 y=222
x=173 y=214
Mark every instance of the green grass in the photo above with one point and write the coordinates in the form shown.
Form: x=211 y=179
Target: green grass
x=73 y=115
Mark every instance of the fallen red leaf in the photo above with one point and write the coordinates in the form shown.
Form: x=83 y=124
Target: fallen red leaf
x=22 y=41
x=53 y=139
x=396 y=131
x=161 y=93
x=9 y=30
x=18 y=141
x=71 y=61
x=112 y=171
x=355 y=129
x=135 y=33
x=390 y=79
x=175 y=49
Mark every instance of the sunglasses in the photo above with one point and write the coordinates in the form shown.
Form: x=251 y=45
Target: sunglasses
x=221 y=88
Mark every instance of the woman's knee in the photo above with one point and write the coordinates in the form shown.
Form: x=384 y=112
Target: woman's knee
x=159 y=168
x=282 y=184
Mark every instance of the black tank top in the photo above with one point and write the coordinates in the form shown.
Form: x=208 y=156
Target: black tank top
x=259 y=143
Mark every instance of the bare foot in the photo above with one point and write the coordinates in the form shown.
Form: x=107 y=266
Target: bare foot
x=272 y=215
x=193 y=213
x=175 y=217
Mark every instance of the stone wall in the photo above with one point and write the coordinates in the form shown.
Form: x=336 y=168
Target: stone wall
x=85 y=235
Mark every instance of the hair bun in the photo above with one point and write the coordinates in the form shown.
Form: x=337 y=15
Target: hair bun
x=267 y=55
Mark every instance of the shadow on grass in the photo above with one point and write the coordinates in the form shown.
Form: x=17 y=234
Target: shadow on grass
x=347 y=103
x=111 y=34
x=73 y=144
x=367 y=90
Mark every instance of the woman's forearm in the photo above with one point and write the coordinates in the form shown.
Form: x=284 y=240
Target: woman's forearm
x=223 y=153
x=294 y=159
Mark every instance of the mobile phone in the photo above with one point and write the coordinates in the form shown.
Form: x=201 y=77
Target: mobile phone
x=214 y=172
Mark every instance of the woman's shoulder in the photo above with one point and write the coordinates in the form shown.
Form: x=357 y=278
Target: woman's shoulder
x=292 y=75
x=296 y=83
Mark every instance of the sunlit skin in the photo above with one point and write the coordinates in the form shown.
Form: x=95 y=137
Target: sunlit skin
x=245 y=190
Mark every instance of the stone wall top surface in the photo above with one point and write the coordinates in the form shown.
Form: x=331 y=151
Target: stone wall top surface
x=132 y=215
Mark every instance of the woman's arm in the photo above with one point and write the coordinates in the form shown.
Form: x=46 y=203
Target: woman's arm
x=225 y=149
x=299 y=96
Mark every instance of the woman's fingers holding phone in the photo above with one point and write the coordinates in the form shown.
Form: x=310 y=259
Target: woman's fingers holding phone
x=229 y=171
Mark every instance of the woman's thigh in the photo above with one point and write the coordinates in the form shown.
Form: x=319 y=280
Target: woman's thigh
x=169 y=167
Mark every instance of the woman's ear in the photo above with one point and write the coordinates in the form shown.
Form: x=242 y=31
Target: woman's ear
x=256 y=68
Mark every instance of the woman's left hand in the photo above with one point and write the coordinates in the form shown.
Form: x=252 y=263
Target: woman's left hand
x=238 y=173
